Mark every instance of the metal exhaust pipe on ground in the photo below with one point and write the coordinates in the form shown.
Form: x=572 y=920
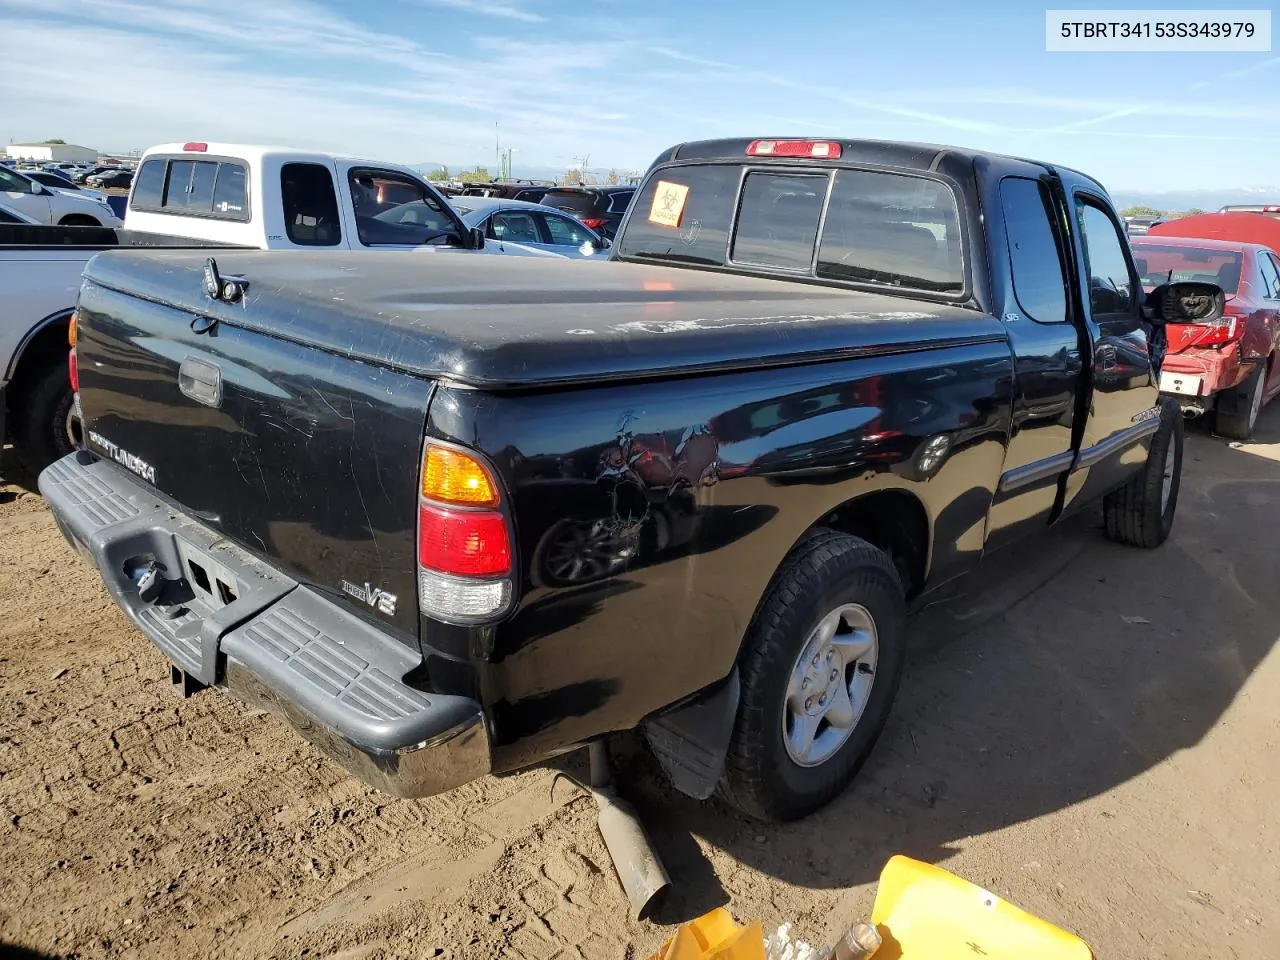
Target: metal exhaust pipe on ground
x=639 y=870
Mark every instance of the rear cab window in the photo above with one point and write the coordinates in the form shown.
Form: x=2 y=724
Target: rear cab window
x=214 y=188
x=875 y=229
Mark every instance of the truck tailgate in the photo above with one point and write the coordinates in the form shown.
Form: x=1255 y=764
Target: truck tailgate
x=306 y=458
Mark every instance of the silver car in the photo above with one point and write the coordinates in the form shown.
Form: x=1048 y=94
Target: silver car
x=531 y=225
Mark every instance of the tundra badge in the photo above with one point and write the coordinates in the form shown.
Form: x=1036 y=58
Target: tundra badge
x=375 y=597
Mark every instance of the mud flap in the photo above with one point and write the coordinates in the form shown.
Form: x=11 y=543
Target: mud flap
x=692 y=740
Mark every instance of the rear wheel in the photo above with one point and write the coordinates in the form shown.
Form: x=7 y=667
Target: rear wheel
x=1238 y=408
x=45 y=424
x=1141 y=512
x=819 y=671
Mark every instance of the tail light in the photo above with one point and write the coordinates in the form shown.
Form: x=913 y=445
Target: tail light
x=817 y=149
x=194 y=147
x=595 y=223
x=464 y=540
x=1226 y=329
x=73 y=366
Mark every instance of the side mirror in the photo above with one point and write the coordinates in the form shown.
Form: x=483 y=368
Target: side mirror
x=37 y=188
x=1185 y=302
x=475 y=238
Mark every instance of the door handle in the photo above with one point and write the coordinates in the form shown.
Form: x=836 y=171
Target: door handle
x=201 y=381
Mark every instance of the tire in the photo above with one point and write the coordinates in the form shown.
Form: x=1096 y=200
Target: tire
x=1236 y=410
x=1140 y=514
x=827 y=573
x=42 y=417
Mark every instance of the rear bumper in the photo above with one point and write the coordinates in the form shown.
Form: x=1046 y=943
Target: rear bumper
x=1195 y=375
x=224 y=617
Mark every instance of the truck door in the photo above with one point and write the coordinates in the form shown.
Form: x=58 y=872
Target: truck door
x=1119 y=397
x=1031 y=285
x=391 y=210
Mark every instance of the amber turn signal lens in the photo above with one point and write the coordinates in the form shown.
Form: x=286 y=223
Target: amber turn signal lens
x=449 y=476
x=71 y=331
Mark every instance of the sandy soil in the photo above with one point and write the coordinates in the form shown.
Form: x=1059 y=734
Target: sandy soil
x=1087 y=730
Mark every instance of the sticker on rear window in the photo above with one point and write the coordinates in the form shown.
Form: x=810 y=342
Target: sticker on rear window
x=668 y=203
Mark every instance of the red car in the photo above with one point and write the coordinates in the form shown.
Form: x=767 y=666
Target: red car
x=1226 y=367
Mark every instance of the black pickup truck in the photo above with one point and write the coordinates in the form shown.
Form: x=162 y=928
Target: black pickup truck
x=453 y=518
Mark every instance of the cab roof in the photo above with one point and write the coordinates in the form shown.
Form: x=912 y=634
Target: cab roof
x=893 y=153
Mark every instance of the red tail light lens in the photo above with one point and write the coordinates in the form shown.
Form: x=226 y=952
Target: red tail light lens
x=595 y=223
x=817 y=149
x=73 y=370
x=193 y=147
x=1223 y=330
x=465 y=543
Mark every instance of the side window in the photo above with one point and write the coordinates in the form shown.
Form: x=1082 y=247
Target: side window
x=393 y=209
x=564 y=231
x=148 y=186
x=514 y=226
x=12 y=183
x=1034 y=258
x=1110 y=286
x=778 y=220
x=1270 y=276
x=310 y=205
x=619 y=202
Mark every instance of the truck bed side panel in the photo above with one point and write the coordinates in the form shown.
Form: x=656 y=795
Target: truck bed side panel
x=651 y=517
x=310 y=459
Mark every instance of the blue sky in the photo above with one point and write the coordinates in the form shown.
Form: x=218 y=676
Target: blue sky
x=426 y=80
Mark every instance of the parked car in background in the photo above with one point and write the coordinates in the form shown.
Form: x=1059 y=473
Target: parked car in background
x=51 y=206
x=57 y=181
x=111 y=178
x=85 y=172
x=1226 y=367
x=10 y=214
x=600 y=208
x=1137 y=226
x=530 y=225
x=1270 y=209
x=531 y=191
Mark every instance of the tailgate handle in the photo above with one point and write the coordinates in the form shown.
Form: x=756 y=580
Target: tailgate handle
x=201 y=381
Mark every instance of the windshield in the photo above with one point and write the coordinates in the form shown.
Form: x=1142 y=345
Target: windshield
x=1155 y=264
x=881 y=229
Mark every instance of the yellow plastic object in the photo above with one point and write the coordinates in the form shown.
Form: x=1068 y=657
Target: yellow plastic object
x=925 y=913
x=714 y=936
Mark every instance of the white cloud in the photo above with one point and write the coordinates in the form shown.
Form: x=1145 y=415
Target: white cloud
x=298 y=73
x=491 y=8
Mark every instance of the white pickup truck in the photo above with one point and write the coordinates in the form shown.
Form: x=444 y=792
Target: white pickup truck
x=200 y=194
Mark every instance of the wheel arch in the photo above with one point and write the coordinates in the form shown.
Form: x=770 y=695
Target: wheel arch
x=41 y=345
x=893 y=519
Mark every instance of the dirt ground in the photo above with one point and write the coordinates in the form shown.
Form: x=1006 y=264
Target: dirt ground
x=1087 y=730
